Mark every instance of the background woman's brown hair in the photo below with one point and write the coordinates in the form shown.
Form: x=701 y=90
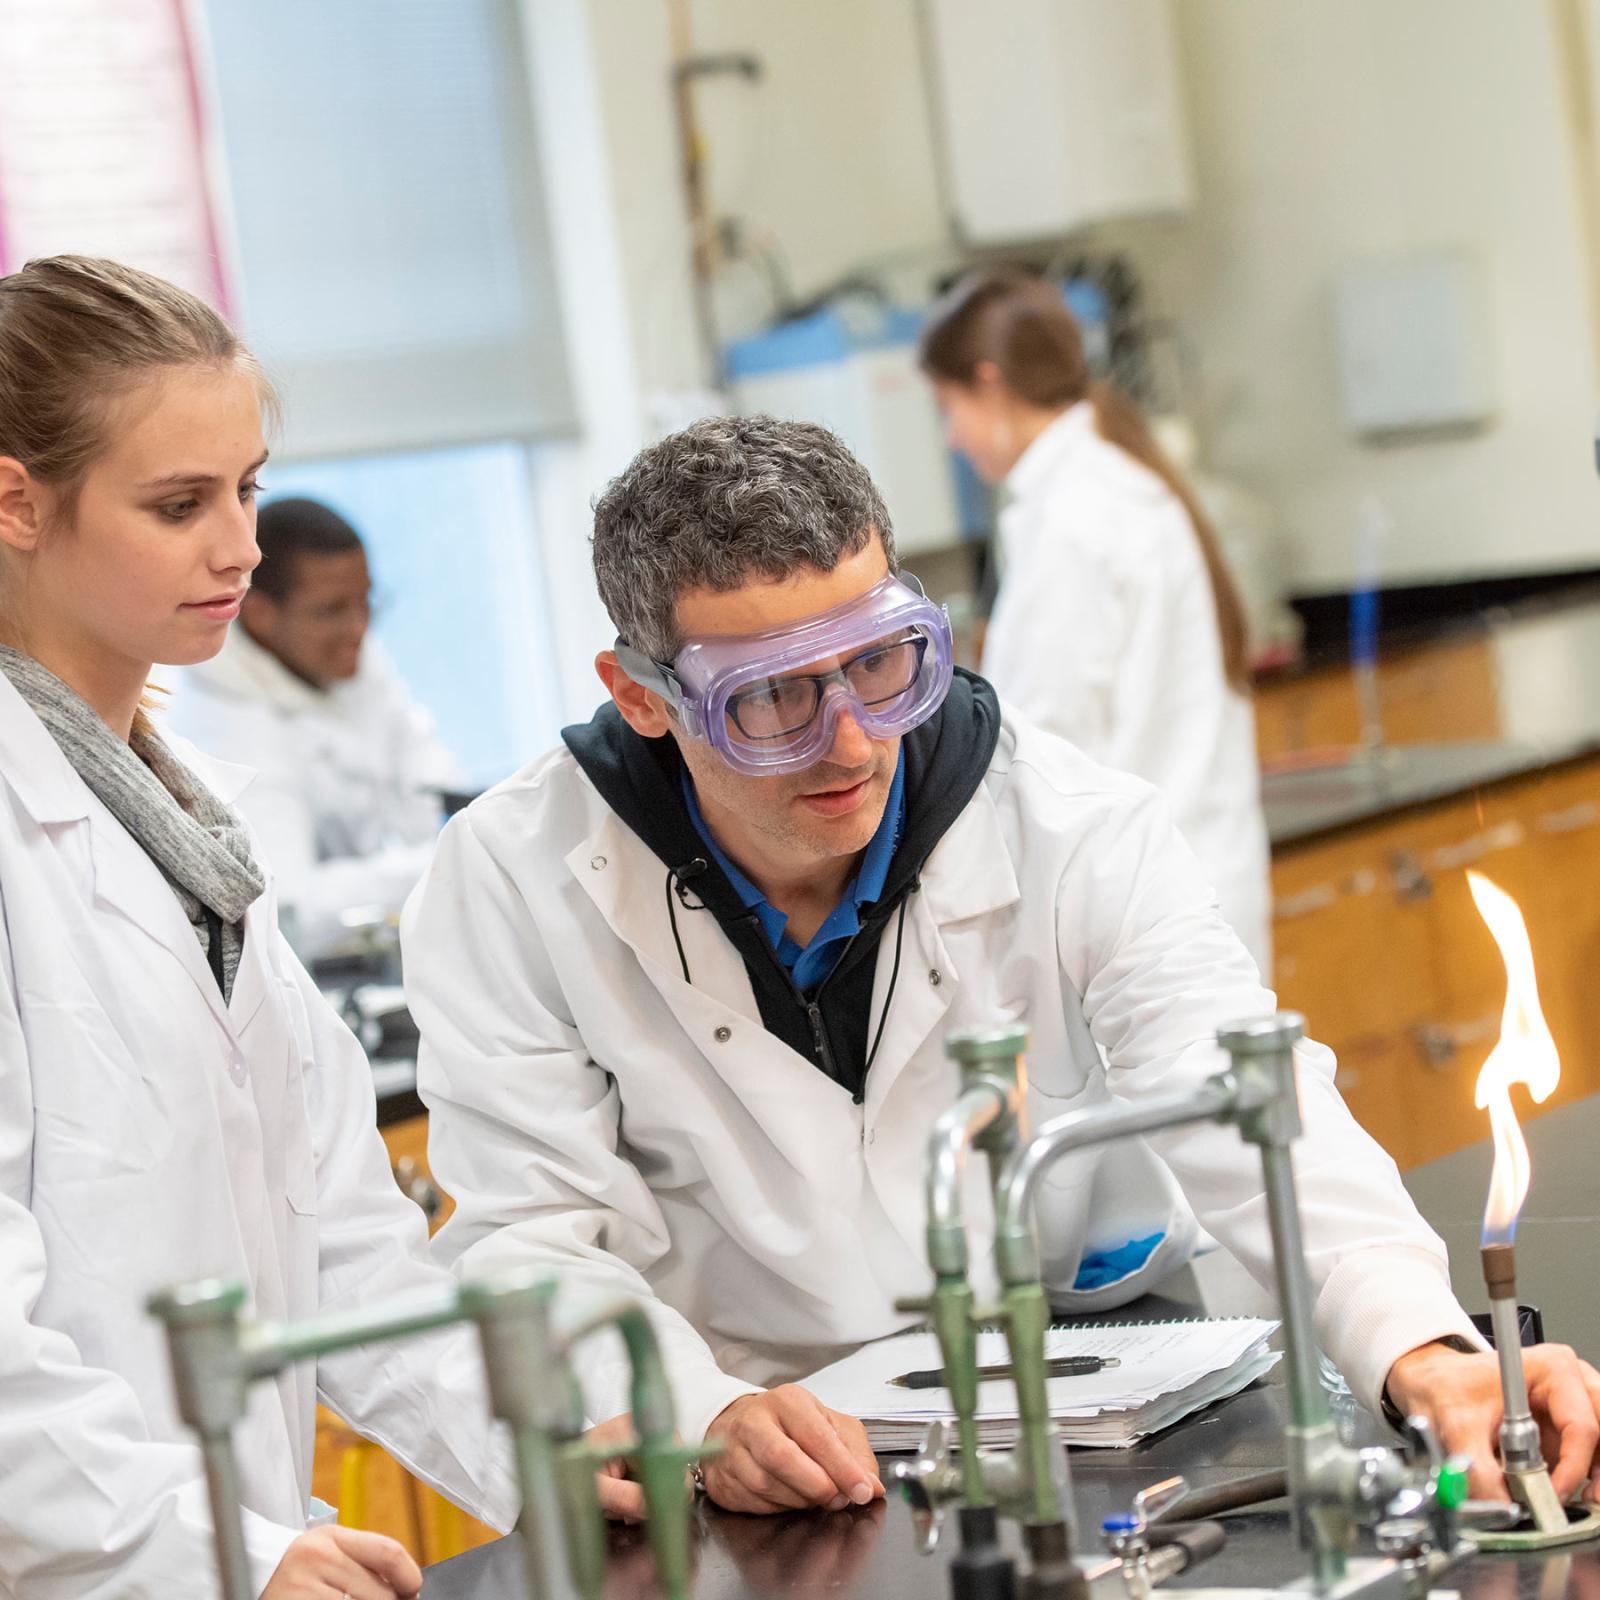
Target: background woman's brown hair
x=1021 y=324
x=77 y=335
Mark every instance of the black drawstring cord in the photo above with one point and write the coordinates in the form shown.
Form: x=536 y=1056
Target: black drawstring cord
x=678 y=878
x=894 y=977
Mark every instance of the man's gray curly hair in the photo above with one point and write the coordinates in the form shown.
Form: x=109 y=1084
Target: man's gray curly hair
x=723 y=501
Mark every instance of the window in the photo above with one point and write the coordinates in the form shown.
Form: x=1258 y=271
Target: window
x=385 y=196
x=394 y=278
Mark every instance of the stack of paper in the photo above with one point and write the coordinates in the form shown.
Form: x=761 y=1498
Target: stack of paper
x=1167 y=1371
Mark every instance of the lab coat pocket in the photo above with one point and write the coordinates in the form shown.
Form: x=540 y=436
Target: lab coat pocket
x=1134 y=1196
x=96 y=1113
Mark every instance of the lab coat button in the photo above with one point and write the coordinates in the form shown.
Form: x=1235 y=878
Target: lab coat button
x=598 y=863
x=935 y=976
x=723 y=1035
x=236 y=1067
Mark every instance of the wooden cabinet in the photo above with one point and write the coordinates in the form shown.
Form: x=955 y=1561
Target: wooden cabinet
x=1380 y=945
x=371 y=1488
x=1441 y=692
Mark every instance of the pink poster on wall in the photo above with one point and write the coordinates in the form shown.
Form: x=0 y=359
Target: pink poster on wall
x=103 y=140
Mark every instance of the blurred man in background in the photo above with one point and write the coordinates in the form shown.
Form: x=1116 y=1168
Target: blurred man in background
x=347 y=801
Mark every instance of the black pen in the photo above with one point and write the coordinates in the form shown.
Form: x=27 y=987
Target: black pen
x=1054 y=1367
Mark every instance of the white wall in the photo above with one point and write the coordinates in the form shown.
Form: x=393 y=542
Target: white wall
x=832 y=152
x=1334 y=131
x=1325 y=132
x=568 y=72
x=633 y=63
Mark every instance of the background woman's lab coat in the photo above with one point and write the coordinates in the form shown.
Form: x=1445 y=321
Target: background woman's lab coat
x=150 y=1134
x=1105 y=632
x=345 y=803
x=595 y=1112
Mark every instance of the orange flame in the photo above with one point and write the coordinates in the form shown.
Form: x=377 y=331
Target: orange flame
x=1525 y=1054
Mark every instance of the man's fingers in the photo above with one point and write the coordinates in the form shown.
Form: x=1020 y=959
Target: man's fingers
x=768 y=1488
x=773 y=1448
x=810 y=1426
x=382 y=1557
x=1470 y=1431
x=732 y=1494
x=1591 y=1382
x=353 y=1581
x=1567 y=1402
x=854 y=1434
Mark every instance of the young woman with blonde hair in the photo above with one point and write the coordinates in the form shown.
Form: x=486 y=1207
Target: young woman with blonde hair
x=176 y=1099
x=1116 y=624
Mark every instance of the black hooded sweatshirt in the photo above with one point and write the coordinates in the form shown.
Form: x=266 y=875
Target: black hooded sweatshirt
x=640 y=779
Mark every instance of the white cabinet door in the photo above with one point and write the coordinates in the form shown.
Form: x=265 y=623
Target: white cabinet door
x=1058 y=113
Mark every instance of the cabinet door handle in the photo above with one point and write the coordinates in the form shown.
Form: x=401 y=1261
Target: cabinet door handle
x=1411 y=881
x=1442 y=1042
x=417 y=1186
x=1503 y=836
x=1583 y=815
x=1317 y=898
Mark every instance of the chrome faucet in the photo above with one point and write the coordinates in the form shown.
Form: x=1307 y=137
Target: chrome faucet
x=217 y=1353
x=1333 y=1487
x=989 y=1114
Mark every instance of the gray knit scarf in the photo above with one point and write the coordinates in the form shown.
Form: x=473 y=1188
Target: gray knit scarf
x=197 y=841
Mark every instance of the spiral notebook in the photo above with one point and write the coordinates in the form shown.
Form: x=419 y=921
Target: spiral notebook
x=1167 y=1371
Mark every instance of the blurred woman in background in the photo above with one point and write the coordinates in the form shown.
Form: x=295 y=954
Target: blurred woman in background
x=1116 y=624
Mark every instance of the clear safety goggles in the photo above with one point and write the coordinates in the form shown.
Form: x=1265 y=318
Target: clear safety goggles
x=769 y=703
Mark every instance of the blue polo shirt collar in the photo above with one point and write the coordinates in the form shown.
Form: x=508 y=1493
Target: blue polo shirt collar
x=810 y=964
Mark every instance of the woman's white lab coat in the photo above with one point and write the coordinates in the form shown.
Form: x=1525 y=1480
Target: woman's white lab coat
x=345 y=803
x=150 y=1135
x=1104 y=631
x=593 y=1110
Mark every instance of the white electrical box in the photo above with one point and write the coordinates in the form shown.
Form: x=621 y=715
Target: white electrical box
x=1414 y=345
x=857 y=374
x=1057 y=114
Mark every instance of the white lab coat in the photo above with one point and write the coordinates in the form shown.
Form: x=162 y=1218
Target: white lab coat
x=593 y=1111
x=150 y=1135
x=1104 y=631
x=345 y=804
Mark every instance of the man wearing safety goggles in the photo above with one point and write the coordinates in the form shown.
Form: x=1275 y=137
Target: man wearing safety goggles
x=683 y=986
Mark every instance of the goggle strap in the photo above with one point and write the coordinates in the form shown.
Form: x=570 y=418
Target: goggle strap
x=649 y=673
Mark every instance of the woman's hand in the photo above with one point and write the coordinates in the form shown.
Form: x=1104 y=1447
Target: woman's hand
x=621 y=1498
x=336 y=1563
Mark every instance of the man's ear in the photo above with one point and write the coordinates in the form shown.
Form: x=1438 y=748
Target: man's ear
x=988 y=380
x=25 y=506
x=642 y=709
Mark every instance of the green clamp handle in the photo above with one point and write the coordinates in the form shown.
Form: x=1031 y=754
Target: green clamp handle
x=1450 y=1483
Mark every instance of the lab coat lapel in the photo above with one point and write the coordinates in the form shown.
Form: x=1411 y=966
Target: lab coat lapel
x=967 y=875
x=128 y=882
x=795 y=1102
x=227 y=782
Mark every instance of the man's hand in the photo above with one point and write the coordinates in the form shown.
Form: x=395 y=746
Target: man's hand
x=620 y=1497
x=783 y=1450
x=1460 y=1395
